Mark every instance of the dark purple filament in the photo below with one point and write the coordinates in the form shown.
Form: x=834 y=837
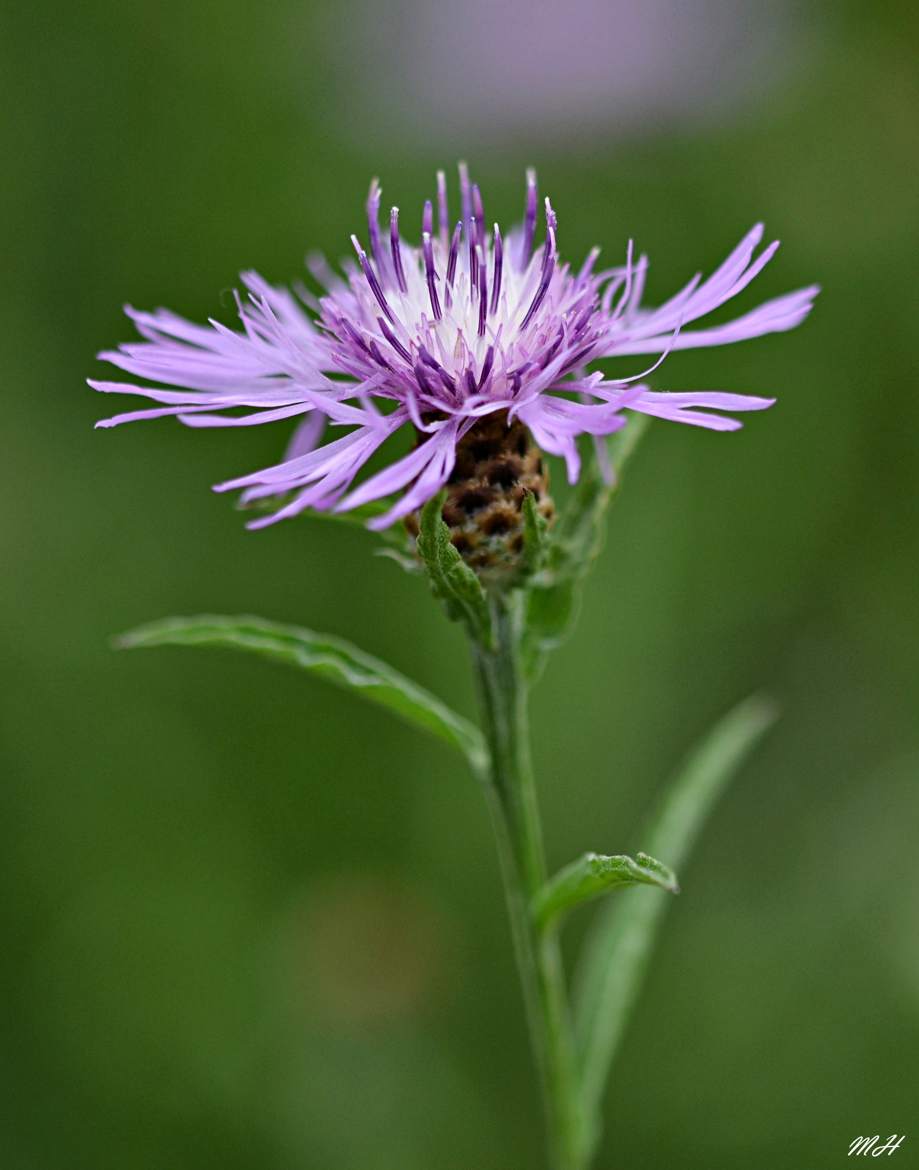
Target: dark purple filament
x=487 y=366
x=496 y=275
x=454 y=252
x=375 y=350
x=373 y=225
x=427 y=246
x=372 y=279
x=394 y=341
x=473 y=258
x=451 y=262
x=548 y=267
x=551 y=218
x=429 y=360
x=483 y=289
x=396 y=249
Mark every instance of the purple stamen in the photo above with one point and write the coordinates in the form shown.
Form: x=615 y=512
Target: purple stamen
x=447 y=380
x=428 y=248
x=529 y=225
x=454 y=252
x=373 y=225
x=396 y=249
x=427 y=219
x=548 y=267
x=451 y=262
x=579 y=357
x=429 y=360
x=394 y=341
x=553 y=348
x=427 y=387
x=551 y=218
x=473 y=257
x=349 y=329
x=372 y=279
x=443 y=217
x=483 y=289
x=486 y=367
x=583 y=317
x=375 y=350
x=496 y=275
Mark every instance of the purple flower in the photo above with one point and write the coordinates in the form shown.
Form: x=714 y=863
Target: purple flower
x=433 y=339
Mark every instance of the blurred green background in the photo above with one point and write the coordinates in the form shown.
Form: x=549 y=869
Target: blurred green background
x=249 y=922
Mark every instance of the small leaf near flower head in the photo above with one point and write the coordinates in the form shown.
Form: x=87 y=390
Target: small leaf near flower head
x=329 y=657
x=452 y=581
x=535 y=536
x=594 y=874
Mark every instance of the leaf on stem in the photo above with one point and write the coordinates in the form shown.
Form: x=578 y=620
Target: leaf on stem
x=452 y=581
x=594 y=874
x=326 y=656
x=618 y=950
x=535 y=537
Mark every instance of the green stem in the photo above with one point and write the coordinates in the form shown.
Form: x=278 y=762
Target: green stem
x=515 y=814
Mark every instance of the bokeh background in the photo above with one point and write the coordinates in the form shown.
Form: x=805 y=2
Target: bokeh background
x=248 y=922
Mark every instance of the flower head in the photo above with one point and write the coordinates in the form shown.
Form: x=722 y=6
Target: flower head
x=470 y=331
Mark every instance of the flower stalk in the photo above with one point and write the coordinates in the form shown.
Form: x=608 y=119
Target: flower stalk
x=510 y=784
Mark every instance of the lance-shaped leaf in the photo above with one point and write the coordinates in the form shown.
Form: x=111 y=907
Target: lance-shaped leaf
x=594 y=874
x=536 y=543
x=326 y=656
x=553 y=597
x=618 y=951
x=451 y=578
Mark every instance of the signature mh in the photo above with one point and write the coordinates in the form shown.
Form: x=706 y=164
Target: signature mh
x=863 y=1146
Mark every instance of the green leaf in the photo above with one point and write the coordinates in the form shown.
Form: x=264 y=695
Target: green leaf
x=594 y=874
x=553 y=597
x=330 y=658
x=451 y=578
x=535 y=536
x=618 y=951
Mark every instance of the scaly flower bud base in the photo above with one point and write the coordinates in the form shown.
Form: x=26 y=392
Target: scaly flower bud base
x=497 y=465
